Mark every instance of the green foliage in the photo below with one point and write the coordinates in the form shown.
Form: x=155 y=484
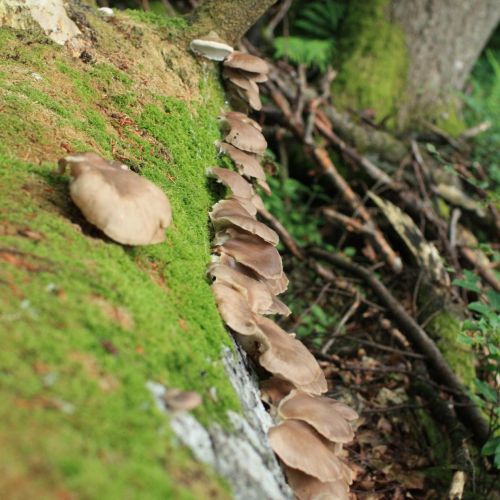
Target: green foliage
x=310 y=52
x=482 y=104
x=290 y=204
x=482 y=333
x=312 y=40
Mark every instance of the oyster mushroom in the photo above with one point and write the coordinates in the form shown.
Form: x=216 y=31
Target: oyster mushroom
x=300 y=447
x=257 y=294
x=123 y=205
x=212 y=47
x=307 y=487
x=287 y=358
x=251 y=251
x=248 y=63
x=244 y=136
x=227 y=213
x=326 y=415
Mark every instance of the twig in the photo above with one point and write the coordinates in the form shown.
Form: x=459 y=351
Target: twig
x=350 y=223
x=278 y=17
x=455 y=216
x=478 y=129
x=470 y=414
x=388 y=349
x=341 y=324
x=370 y=168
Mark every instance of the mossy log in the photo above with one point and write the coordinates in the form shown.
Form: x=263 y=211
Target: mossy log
x=90 y=328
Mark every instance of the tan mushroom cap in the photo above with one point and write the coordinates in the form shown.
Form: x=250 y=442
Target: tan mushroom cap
x=307 y=487
x=251 y=251
x=241 y=116
x=234 y=181
x=257 y=294
x=317 y=386
x=212 y=47
x=244 y=136
x=300 y=447
x=247 y=62
x=320 y=413
x=278 y=285
x=123 y=205
x=247 y=164
x=178 y=400
x=227 y=213
x=288 y=358
x=237 y=314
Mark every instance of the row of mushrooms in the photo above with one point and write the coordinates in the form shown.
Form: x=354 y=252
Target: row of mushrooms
x=248 y=276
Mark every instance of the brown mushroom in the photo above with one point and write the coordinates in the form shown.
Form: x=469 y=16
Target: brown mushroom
x=212 y=47
x=287 y=358
x=244 y=136
x=274 y=389
x=300 y=447
x=123 y=205
x=251 y=251
x=307 y=487
x=237 y=314
x=259 y=298
x=243 y=117
x=178 y=400
x=247 y=62
x=319 y=412
x=227 y=213
x=247 y=164
x=234 y=181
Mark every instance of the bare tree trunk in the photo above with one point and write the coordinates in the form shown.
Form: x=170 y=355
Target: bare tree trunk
x=405 y=60
x=230 y=19
x=444 y=39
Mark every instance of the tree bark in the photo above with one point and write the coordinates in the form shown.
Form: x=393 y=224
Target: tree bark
x=406 y=60
x=230 y=19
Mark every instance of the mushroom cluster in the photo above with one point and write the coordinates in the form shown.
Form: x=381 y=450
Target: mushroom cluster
x=123 y=205
x=248 y=276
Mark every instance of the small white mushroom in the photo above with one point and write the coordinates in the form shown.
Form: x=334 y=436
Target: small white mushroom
x=123 y=205
x=212 y=47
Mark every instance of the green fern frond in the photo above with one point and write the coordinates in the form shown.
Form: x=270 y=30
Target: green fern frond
x=311 y=52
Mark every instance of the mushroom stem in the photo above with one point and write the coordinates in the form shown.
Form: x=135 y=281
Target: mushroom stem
x=231 y=19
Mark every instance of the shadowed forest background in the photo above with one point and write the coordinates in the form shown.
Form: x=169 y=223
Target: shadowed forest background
x=383 y=137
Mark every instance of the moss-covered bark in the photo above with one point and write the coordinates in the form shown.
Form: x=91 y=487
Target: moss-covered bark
x=85 y=322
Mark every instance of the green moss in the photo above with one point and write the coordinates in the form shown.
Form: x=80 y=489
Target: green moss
x=445 y=329
x=373 y=60
x=86 y=322
x=159 y=19
x=450 y=120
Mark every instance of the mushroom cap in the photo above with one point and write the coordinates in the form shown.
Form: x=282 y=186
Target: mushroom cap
x=247 y=62
x=234 y=181
x=258 y=296
x=239 y=79
x=317 y=386
x=123 y=205
x=228 y=213
x=244 y=136
x=319 y=412
x=243 y=117
x=178 y=400
x=288 y=358
x=300 y=447
x=237 y=314
x=278 y=285
x=251 y=96
x=251 y=251
x=247 y=165
x=212 y=47
x=307 y=487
